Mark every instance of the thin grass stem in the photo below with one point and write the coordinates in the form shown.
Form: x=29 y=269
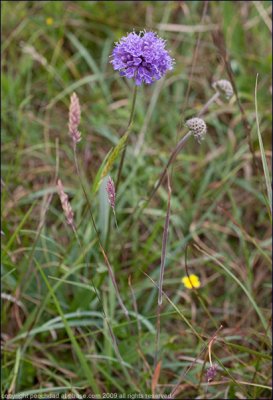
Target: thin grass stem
x=193 y=331
x=264 y=162
x=87 y=371
x=173 y=156
x=138 y=210
x=110 y=269
x=245 y=290
x=164 y=243
x=196 y=291
x=114 y=340
x=157 y=338
x=188 y=368
x=107 y=242
x=115 y=218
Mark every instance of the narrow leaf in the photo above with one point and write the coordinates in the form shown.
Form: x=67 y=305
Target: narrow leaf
x=109 y=161
x=155 y=377
x=265 y=166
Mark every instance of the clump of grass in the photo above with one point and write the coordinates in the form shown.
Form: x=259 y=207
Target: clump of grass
x=63 y=330
x=74 y=120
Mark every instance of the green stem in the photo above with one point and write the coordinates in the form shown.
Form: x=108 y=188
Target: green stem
x=138 y=209
x=86 y=368
x=110 y=269
x=113 y=337
x=199 y=296
x=125 y=147
x=107 y=242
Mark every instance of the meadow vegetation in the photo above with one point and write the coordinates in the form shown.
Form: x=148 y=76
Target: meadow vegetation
x=63 y=330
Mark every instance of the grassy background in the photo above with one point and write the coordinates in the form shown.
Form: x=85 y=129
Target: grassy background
x=55 y=338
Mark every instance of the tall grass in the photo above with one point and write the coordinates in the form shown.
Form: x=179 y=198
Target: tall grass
x=64 y=330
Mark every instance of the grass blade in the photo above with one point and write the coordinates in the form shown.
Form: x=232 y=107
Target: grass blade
x=250 y=298
x=265 y=166
x=87 y=371
x=164 y=243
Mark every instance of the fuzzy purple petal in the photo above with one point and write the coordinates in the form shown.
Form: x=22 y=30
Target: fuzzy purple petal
x=141 y=57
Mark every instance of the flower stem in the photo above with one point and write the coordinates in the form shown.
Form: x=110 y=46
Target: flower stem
x=173 y=156
x=110 y=269
x=113 y=337
x=199 y=296
x=97 y=295
x=121 y=163
x=181 y=144
x=208 y=103
x=125 y=147
x=136 y=213
x=164 y=243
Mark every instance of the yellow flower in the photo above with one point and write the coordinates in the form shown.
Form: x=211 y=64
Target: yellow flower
x=49 y=21
x=191 y=282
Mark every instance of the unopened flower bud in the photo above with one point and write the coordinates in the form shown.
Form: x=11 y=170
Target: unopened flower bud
x=224 y=87
x=198 y=128
x=211 y=373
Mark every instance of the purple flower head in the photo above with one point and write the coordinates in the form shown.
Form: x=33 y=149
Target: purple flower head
x=142 y=57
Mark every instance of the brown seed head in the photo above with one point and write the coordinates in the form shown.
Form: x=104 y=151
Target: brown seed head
x=224 y=87
x=198 y=128
x=111 y=192
x=68 y=212
x=74 y=118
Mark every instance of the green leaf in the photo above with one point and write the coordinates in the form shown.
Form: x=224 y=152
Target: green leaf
x=265 y=166
x=98 y=178
x=89 y=373
x=109 y=161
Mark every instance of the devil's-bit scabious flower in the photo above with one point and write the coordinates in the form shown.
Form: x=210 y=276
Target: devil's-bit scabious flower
x=74 y=118
x=191 y=281
x=141 y=57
